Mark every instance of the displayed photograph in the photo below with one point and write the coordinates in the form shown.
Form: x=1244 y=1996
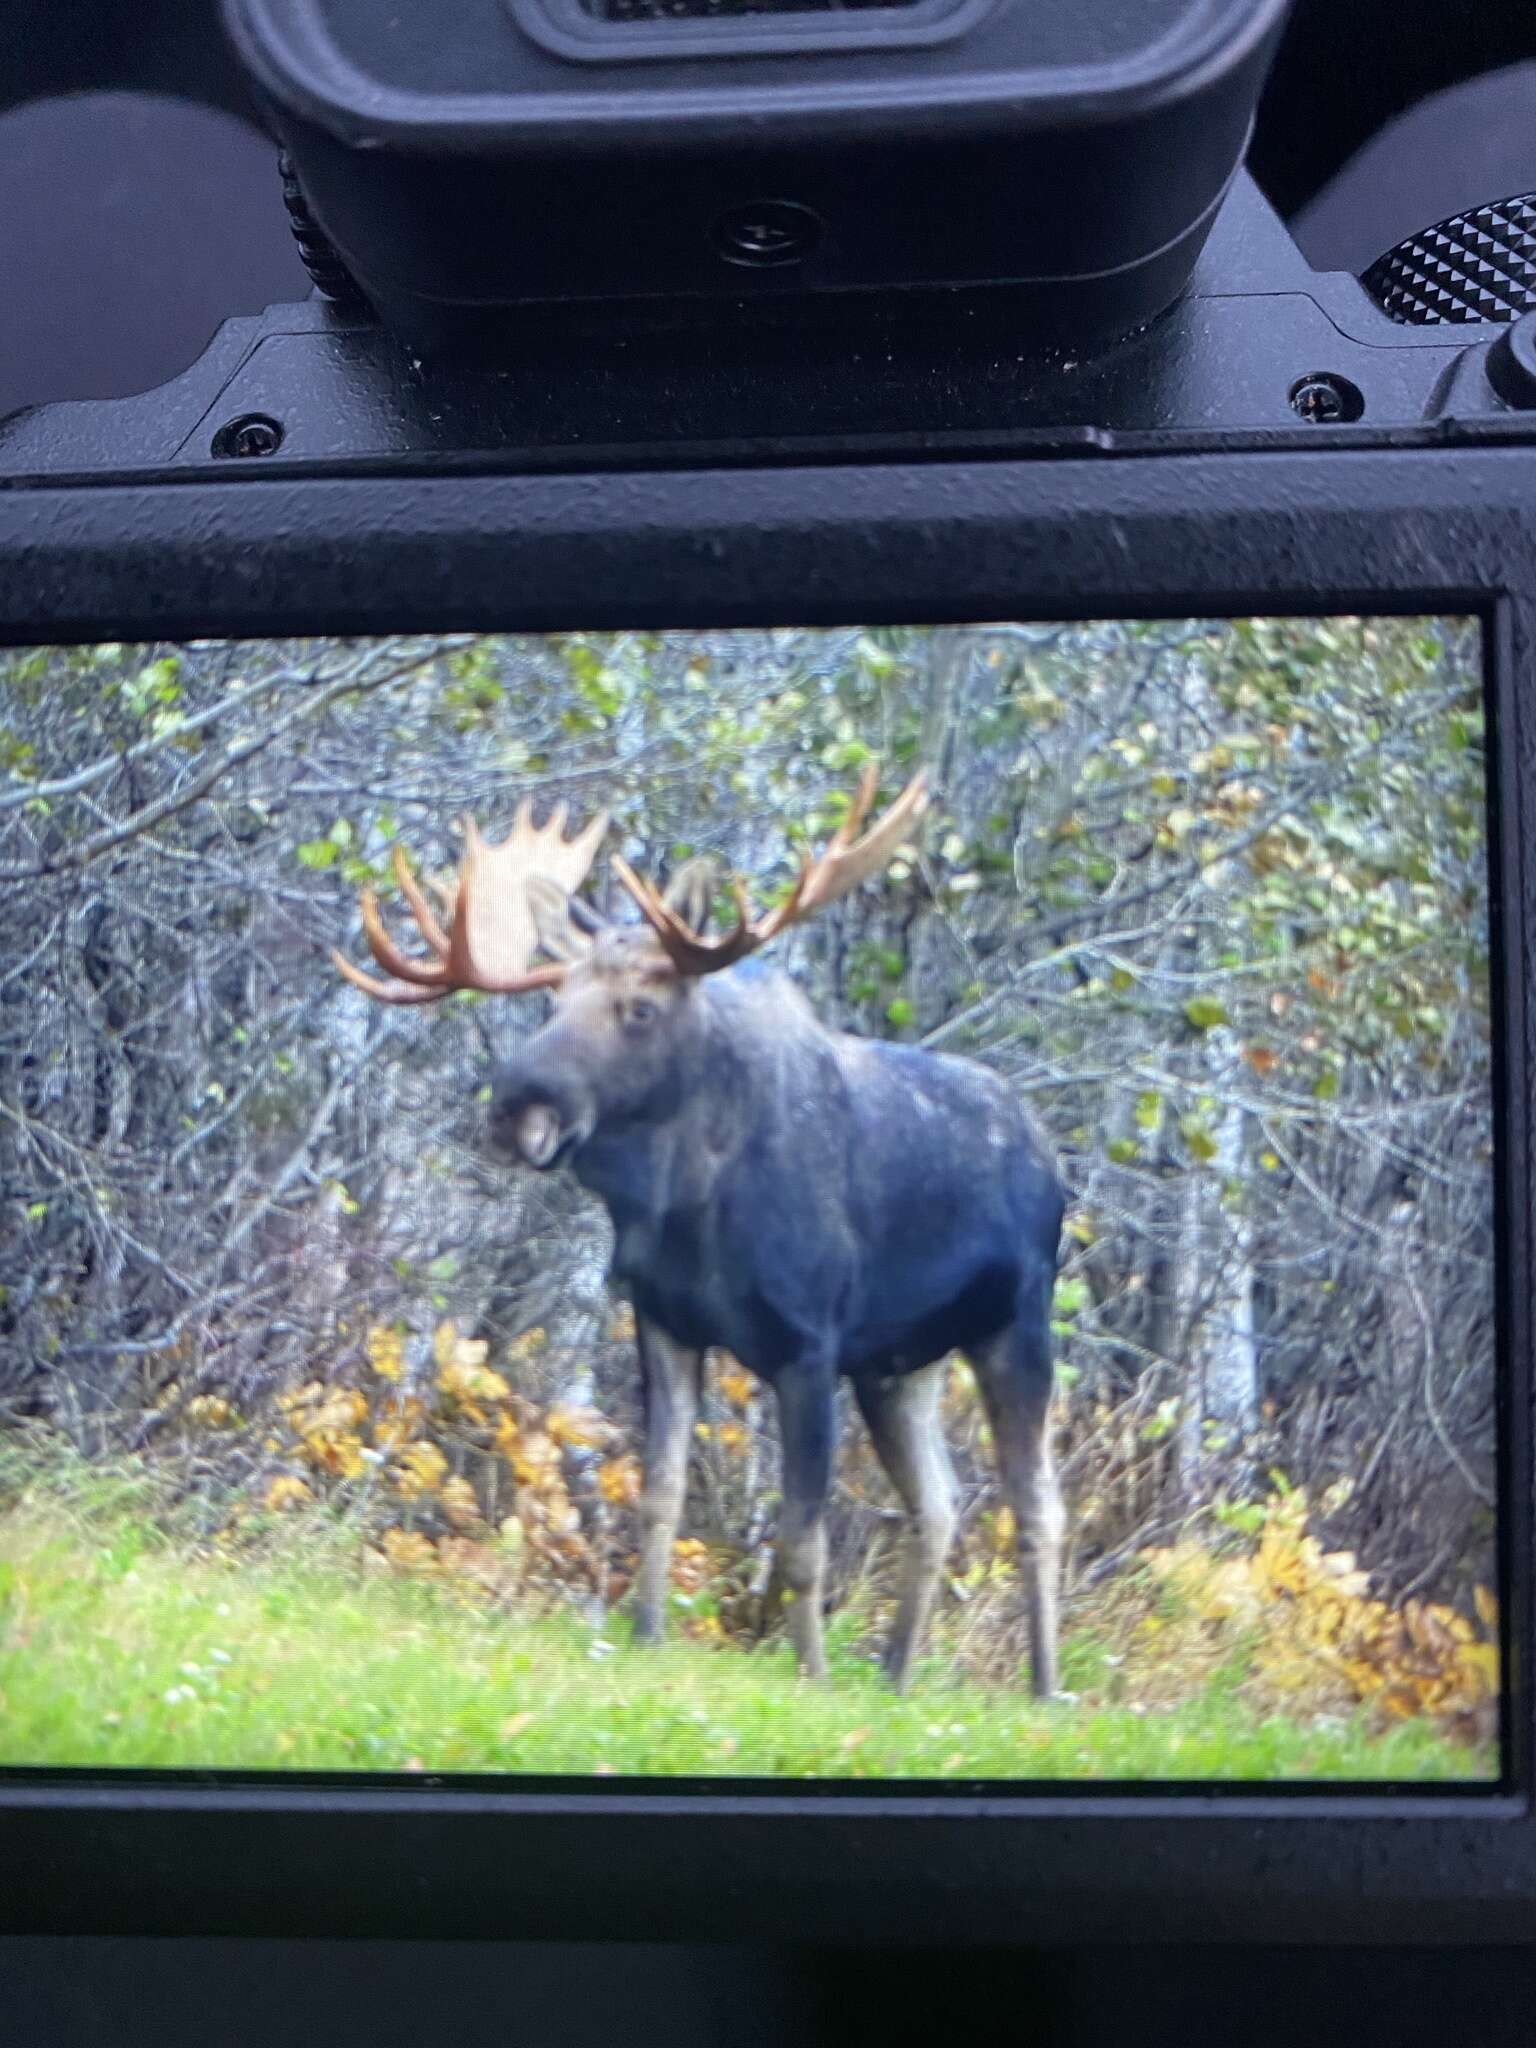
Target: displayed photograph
x=852 y=1204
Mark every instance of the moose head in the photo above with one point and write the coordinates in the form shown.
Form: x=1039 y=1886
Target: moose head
x=615 y=1052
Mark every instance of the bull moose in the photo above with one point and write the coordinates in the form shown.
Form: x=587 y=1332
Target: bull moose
x=814 y=1202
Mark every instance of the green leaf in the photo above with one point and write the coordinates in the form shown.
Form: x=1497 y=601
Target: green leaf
x=1205 y=1012
x=1071 y=1296
x=1122 y=1150
x=1326 y=1086
x=901 y=1012
x=317 y=853
x=1197 y=1137
x=36 y=1211
x=1149 y=1110
x=1162 y=1424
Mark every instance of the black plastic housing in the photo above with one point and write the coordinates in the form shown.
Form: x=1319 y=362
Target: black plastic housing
x=947 y=479
x=488 y=155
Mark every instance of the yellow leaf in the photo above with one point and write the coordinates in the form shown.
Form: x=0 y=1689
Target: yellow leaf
x=340 y=1409
x=459 y=1502
x=733 y=1436
x=211 y=1411
x=468 y=1381
x=535 y=1461
x=386 y=1350
x=1487 y=1608
x=514 y=1725
x=737 y=1385
x=854 y=1738
x=508 y=1436
x=1482 y=1661
x=583 y=1427
x=286 y=1491
x=301 y=1397
x=397 y=1428
x=422 y=1468
x=340 y=1453
x=618 y=1481
x=690 y=1564
x=408 y=1550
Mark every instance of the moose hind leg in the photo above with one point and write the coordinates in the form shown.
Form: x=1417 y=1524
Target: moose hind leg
x=908 y=1435
x=1014 y=1371
x=671 y=1382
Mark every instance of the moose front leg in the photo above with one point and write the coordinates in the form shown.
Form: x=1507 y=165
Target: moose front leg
x=807 y=1424
x=670 y=1379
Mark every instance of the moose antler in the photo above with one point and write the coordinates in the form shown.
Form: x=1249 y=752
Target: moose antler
x=491 y=935
x=822 y=880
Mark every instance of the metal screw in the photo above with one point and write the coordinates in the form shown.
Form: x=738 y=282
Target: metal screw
x=1323 y=399
x=253 y=434
x=766 y=234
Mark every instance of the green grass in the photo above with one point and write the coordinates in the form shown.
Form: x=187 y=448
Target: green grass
x=121 y=1647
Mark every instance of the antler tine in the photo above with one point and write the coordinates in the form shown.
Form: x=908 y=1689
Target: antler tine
x=858 y=808
x=843 y=866
x=821 y=880
x=420 y=973
x=384 y=991
x=421 y=910
x=690 y=954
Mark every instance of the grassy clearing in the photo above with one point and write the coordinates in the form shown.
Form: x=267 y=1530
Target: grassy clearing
x=122 y=1646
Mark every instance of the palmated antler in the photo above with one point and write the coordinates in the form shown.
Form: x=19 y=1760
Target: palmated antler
x=491 y=936
x=846 y=862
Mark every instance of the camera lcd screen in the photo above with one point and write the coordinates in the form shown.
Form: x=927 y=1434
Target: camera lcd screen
x=920 y=1206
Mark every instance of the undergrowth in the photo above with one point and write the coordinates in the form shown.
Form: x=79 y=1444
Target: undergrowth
x=129 y=1638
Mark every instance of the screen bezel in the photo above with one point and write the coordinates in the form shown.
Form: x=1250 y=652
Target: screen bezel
x=942 y=542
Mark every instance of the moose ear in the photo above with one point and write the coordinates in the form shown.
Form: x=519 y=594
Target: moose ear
x=691 y=891
x=554 y=917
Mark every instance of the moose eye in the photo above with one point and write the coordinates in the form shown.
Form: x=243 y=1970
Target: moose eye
x=641 y=1011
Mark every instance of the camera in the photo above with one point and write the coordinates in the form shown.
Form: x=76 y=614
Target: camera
x=894 y=452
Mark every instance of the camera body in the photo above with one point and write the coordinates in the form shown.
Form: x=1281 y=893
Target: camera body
x=1133 y=397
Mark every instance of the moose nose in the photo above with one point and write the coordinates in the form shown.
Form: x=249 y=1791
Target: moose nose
x=533 y=1116
x=536 y=1133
